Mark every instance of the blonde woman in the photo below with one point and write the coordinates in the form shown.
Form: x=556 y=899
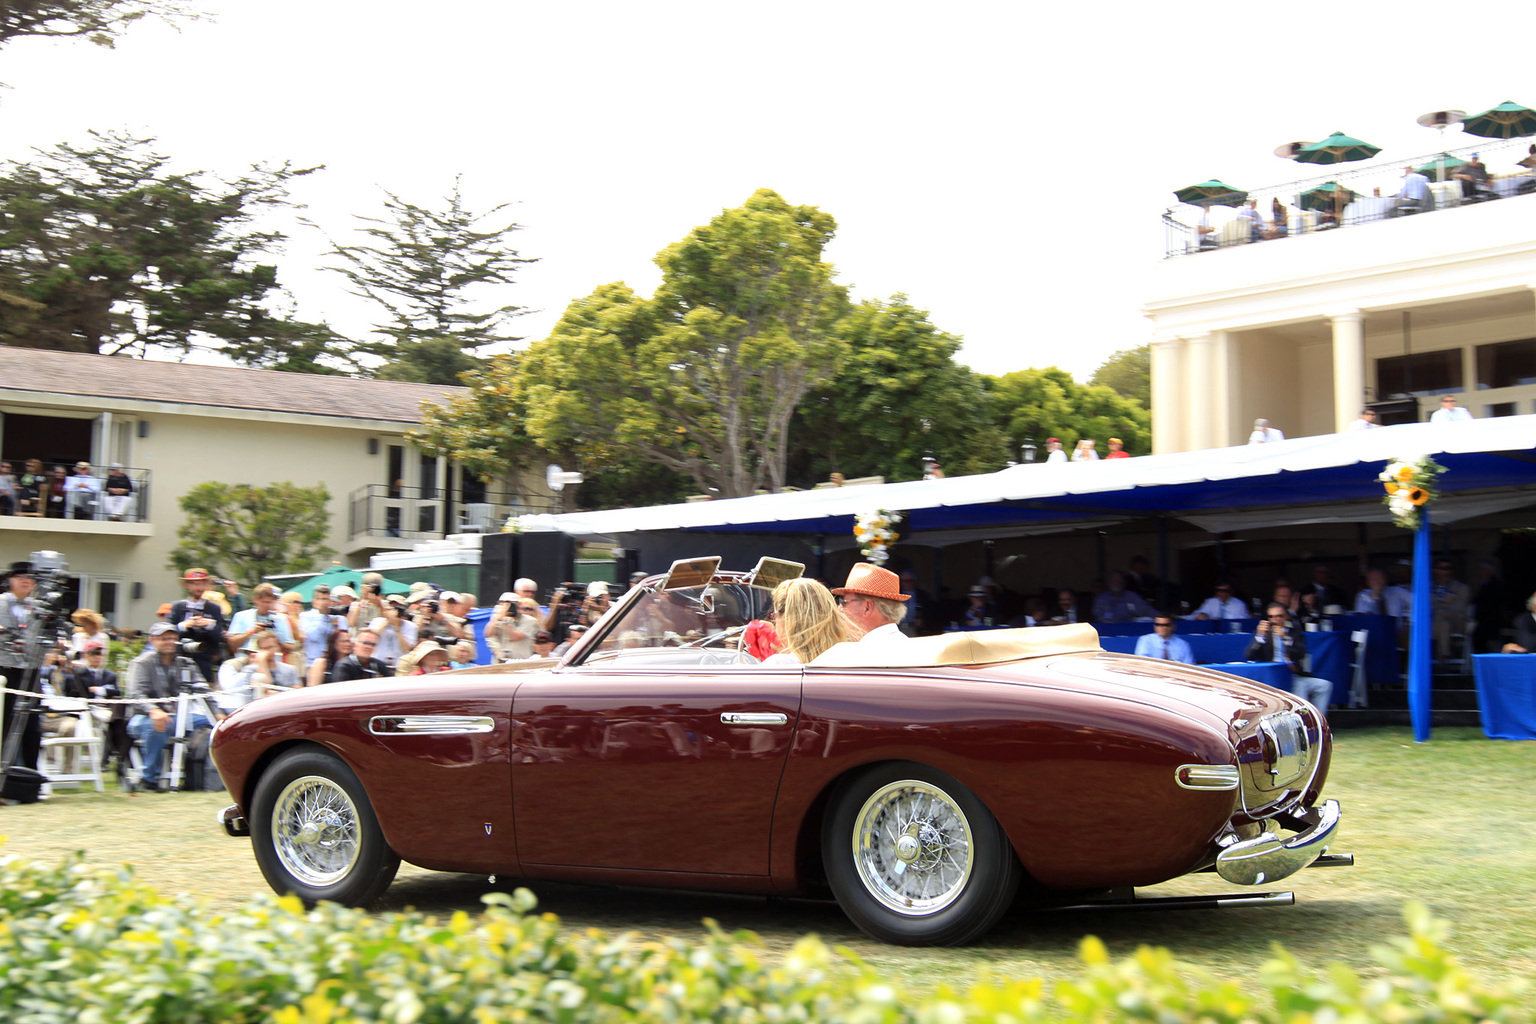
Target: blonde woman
x=807 y=619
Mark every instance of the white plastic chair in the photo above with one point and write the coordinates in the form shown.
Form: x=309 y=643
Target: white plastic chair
x=86 y=744
x=1358 y=692
x=478 y=516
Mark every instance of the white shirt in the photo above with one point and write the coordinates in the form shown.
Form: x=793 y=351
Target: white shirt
x=1265 y=436
x=889 y=631
x=1056 y=456
x=1361 y=423
x=1216 y=608
x=1455 y=414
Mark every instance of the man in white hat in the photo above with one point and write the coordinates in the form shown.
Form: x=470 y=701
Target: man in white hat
x=873 y=602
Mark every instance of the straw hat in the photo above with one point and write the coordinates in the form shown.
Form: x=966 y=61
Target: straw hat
x=873 y=581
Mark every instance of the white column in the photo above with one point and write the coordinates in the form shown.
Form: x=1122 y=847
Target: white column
x=1348 y=367
x=1168 y=404
x=1199 y=380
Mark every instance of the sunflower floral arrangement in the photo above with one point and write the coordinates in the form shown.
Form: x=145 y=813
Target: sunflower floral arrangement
x=876 y=534
x=1410 y=485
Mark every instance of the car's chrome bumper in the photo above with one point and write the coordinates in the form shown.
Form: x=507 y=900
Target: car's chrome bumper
x=1271 y=857
x=233 y=821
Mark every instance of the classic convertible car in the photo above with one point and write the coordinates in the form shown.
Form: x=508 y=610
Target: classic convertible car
x=927 y=784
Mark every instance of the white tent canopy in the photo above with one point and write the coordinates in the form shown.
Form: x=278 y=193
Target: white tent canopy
x=1328 y=478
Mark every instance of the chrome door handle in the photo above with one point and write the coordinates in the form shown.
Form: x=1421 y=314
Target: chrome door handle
x=753 y=717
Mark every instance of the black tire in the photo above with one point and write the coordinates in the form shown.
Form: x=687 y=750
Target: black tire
x=314 y=832
x=956 y=876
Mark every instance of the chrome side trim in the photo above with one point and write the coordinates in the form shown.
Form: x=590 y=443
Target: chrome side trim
x=1207 y=776
x=429 y=725
x=1270 y=857
x=753 y=717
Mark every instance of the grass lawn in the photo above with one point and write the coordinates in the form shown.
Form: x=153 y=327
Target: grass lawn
x=1431 y=822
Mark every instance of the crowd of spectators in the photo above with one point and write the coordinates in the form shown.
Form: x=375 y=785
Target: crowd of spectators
x=59 y=492
x=234 y=648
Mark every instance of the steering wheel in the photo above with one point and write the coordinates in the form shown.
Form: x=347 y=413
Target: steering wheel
x=724 y=634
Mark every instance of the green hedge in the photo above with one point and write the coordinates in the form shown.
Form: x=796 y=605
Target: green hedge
x=88 y=945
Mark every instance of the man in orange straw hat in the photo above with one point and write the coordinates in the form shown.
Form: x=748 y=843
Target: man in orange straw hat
x=873 y=602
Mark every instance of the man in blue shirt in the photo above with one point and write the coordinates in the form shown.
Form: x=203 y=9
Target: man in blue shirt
x=317 y=624
x=1162 y=644
x=246 y=624
x=1413 y=196
x=1120 y=605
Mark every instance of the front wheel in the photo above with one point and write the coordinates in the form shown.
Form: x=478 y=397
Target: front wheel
x=315 y=834
x=915 y=859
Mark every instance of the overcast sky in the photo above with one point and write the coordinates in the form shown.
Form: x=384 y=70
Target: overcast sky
x=1005 y=165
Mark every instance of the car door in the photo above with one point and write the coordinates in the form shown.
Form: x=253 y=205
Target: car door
x=663 y=769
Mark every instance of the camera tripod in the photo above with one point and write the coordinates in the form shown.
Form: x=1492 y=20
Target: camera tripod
x=191 y=697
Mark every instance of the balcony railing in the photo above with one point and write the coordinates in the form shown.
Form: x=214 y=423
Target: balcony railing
x=92 y=502
x=414 y=513
x=1373 y=185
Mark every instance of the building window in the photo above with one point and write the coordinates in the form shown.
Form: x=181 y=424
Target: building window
x=1423 y=373
x=1508 y=364
x=106 y=602
x=1499 y=409
x=429 y=476
x=396 y=469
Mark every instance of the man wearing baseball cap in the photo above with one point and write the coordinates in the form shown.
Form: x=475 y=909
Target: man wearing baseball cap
x=199 y=620
x=16 y=610
x=154 y=678
x=873 y=602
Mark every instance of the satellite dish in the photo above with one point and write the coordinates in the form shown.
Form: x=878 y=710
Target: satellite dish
x=557 y=478
x=1288 y=150
x=1441 y=119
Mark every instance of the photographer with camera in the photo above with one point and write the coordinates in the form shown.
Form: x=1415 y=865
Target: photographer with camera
x=432 y=621
x=396 y=633
x=262 y=618
x=1279 y=639
x=16 y=611
x=369 y=604
x=569 y=607
x=199 y=621
x=154 y=679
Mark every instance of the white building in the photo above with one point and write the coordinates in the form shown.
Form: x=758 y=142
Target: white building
x=1305 y=330
x=174 y=425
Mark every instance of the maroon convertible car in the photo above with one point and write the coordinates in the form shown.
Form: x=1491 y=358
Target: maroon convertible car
x=926 y=784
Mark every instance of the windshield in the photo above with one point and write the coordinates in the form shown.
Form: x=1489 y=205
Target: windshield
x=710 y=617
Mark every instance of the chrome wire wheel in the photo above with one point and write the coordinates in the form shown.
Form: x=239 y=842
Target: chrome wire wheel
x=913 y=847
x=315 y=831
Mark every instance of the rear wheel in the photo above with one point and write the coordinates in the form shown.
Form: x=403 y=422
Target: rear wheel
x=915 y=859
x=315 y=834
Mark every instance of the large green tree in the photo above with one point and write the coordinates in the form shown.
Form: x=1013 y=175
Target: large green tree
x=703 y=378
x=246 y=532
x=1047 y=402
x=440 y=275
x=112 y=252
x=900 y=395
x=1128 y=373
x=100 y=21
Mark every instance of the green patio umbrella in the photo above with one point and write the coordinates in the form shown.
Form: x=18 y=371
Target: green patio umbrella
x=1211 y=193
x=336 y=575
x=1443 y=167
x=1321 y=198
x=1337 y=148
x=1505 y=121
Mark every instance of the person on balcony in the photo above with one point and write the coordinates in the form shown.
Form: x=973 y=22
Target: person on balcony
x=1449 y=411
x=117 y=502
x=10 y=491
x=1473 y=176
x=81 y=492
x=1413 y=196
x=1250 y=214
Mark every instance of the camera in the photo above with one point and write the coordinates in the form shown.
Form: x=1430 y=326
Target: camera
x=370 y=588
x=191 y=646
x=431 y=607
x=264 y=622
